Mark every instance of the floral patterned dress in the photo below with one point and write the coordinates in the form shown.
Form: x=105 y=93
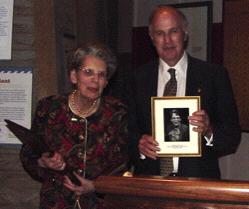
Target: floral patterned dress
x=93 y=147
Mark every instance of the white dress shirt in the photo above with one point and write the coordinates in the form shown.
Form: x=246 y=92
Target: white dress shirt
x=163 y=78
x=181 y=75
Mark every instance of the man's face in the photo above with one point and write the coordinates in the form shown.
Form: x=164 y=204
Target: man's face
x=175 y=119
x=168 y=36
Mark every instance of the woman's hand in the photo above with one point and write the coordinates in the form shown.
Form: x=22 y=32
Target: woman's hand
x=54 y=162
x=86 y=186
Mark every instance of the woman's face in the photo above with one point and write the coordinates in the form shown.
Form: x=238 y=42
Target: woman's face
x=91 y=78
x=176 y=119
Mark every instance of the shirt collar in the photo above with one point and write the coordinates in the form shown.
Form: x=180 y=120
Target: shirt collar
x=180 y=67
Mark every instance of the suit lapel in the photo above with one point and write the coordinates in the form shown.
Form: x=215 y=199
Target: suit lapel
x=153 y=78
x=193 y=85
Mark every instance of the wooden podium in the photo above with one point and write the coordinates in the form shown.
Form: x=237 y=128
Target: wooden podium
x=172 y=192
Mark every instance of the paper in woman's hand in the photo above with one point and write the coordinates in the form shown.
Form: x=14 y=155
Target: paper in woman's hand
x=26 y=136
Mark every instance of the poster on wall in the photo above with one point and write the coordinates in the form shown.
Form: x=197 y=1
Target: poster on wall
x=6 y=19
x=15 y=100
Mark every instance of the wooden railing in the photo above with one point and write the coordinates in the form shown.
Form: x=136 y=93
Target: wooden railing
x=172 y=192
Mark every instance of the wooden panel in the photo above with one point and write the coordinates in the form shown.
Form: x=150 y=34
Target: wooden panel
x=236 y=56
x=143 y=50
x=45 y=46
x=162 y=193
x=113 y=202
x=217 y=43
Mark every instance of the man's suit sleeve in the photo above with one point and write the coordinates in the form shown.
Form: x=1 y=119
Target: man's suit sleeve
x=141 y=166
x=132 y=125
x=225 y=121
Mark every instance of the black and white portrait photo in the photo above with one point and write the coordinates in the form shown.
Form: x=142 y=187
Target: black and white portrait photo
x=176 y=124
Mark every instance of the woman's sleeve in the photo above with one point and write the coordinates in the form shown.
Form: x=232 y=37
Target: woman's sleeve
x=117 y=161
x=28 y=156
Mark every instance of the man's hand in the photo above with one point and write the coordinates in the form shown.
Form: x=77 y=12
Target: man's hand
x=148 y=146
x=201 y=121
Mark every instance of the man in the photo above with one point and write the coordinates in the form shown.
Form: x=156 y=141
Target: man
x=176 y=130
x=216 y=121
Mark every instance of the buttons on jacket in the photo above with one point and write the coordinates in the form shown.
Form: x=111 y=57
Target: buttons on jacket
x=81 y=138
x=80 y=155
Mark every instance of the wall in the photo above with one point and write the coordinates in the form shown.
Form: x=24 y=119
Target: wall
x=235 y=166
x=35 y=44
x=143 y=50
x=125 y=26
x=143 y=8
x=18 y=190
x=135 y=13
x=236 y=59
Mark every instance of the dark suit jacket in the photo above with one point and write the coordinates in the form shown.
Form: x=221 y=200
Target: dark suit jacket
x=211 y=82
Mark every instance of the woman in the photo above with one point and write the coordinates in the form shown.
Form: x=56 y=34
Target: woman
x=85 y=134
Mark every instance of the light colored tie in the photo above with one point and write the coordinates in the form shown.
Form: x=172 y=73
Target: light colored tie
x=166 y=163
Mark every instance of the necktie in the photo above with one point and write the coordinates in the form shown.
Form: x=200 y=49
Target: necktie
x=171 y=86
x=166 y=163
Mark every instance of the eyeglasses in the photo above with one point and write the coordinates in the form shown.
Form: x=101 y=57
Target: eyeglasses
x=88 y=72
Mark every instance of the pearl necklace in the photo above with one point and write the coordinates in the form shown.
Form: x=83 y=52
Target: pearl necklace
x=74 y=107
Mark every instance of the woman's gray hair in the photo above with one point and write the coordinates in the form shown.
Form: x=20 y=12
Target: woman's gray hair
x=97 y=50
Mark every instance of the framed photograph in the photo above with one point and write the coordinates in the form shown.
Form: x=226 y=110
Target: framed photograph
x=199 y=16
x=170 y=126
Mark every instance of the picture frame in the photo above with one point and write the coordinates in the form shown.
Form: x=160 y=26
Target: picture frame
x=200 y=18
x=199 y=42
x=170 y=126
